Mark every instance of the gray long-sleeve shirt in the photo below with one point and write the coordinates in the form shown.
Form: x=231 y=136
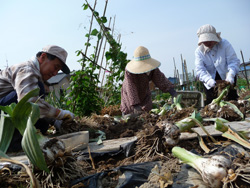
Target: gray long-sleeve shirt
x=23 y=78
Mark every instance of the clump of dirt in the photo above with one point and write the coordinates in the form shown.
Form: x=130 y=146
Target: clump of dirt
x=244 y=95
x=115 y=129
x=182 y=114
x=207 y=113
x=228 y=113
x=163 y=174
x=112 y=110
x=220 y=86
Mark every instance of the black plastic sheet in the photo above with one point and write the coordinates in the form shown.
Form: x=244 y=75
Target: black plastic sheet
x=135 y=175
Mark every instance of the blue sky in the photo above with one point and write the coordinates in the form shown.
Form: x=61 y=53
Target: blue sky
x=166 y=27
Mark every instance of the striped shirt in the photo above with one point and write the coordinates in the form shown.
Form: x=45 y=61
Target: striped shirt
x=136 y=91
x=23 y=78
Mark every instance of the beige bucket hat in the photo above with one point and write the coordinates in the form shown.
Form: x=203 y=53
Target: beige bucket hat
x=142 y=62
x=208 y=33
x=60 y=53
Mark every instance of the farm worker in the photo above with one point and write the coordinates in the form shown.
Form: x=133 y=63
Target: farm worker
x=215 y=59
x=19 y=79
x=135 y=93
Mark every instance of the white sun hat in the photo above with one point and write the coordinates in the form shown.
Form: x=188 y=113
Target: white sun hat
x=208 y=33
x=142 y=62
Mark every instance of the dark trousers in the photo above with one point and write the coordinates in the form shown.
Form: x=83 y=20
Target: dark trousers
x=211 y=94
x=42 y=124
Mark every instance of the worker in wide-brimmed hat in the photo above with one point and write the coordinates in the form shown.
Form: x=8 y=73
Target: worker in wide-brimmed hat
x=215 y=59
x=18 y=80
x=136 y=94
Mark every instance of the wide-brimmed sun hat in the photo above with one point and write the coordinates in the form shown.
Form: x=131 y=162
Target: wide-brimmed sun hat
x=208 y=33
x=142 y=62
x=60 y=53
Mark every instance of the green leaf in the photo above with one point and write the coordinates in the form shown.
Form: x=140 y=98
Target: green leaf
x=94 y=32
x=85 y=6
x=108 y=56
x=2 y=154
x=31 y=146
x=87 y=44
x=235 y=108
x=104 y=19
x=8 y=109
x=99 y=36
x=6 y=132
x=96 y=13
x=20 y=116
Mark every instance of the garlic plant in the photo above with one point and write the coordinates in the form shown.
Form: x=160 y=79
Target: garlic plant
x=216 y=103
x=171 y=133
x=23 y=116
x=212 y=169
x=177 y=102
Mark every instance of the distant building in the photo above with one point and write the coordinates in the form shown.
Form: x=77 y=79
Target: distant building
x=173 y=80
x=57 y=83
x=241 y=73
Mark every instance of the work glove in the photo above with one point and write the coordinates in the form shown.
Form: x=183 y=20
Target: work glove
x=65 y=114
x=230 y=78
x=58 y=125
x=211 y=82
x=138 y=110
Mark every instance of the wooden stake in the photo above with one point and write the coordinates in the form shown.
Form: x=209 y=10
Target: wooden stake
x=244 y=69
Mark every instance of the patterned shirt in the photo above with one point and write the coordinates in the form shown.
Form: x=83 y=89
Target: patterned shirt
x=135 y=89
x=23 y=78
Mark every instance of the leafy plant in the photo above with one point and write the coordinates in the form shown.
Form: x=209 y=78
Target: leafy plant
x=84 y=97
x=58 y=101
x=22 y=116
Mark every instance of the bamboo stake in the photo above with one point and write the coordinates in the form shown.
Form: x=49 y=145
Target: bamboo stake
x=112 y=33
x=178 y=79
x=93 y=62
x=244 y=69
x=99 y=44
x=193 y=80
x=186 y=73
x=90 y=28
x=182 y=67
x=175 y=81
x=86 y=49
x=103 y=54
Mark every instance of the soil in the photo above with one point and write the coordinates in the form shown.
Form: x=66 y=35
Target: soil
x=150 y=146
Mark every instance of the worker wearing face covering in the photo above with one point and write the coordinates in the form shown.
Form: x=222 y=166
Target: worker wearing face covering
x=135 y=93
x=215 y=59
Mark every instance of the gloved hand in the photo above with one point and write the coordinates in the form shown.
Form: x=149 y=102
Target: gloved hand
x=230 y=78
x=58 y=125
x=65 y=114
x=211 y=82
x=138 y=110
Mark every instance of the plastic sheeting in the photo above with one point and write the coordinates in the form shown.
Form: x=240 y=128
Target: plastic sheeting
x=131 y=176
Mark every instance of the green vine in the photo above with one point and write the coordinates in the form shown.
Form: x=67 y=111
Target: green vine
x=84 y=90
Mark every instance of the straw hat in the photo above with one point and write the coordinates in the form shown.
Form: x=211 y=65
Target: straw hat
x=208 y=33
x=60 y=53
x=142 y=62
